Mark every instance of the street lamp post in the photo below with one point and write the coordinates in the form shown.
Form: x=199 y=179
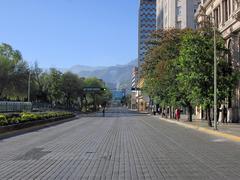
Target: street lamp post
x=29 y=85
x=215 y=79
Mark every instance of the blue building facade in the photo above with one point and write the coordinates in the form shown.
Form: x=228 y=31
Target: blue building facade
x=146 y=25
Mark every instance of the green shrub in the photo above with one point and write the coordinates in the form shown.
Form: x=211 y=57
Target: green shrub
x=29 y=116
x=2 y=117
x=25 y=116
x=3 y=120
x=14 y=120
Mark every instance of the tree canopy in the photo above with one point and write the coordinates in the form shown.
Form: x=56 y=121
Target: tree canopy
x=13 y=73
x=53 y=86
x=178 y=69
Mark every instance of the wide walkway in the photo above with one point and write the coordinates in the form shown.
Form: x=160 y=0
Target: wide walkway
x=122 y=145
x=229 y=128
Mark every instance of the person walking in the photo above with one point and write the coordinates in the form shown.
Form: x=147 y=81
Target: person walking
x=103 y=111
x=221 y=116
x=224 y=114
x=178 y=112
x=164 y=113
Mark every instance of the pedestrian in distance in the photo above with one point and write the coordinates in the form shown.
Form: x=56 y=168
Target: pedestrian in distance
x=178 y=113
x=154 y=113
x=224 y=114
x=221 y=116
x=164 y=112
x=103 y=111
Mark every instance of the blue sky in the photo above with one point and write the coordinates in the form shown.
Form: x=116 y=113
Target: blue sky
x=63 y=33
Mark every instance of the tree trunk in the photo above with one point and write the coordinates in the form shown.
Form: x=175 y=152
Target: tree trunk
x=218 y=113
x=81 y=106
x=85 y=103
x=170 y=113
x=173 y=113
x=1 y=92
x=209 y=117
x=190 y=112
x=205 y=115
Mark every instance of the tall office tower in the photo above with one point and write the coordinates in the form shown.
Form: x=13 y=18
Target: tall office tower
x=176 y=13
x=147 y=25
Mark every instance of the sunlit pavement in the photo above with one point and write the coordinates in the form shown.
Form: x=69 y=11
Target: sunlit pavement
x=122 y=145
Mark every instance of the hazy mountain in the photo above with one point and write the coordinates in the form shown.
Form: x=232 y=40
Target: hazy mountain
x=79 y=68
x=118 y=76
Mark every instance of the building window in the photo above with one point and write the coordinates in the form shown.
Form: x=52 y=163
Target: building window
x=233 y=5
x=229 y=7
x=179 y=8
x=178 y=3
x=179 y=12
x=217 y=16
x=196 y=7
x=225 y=10
x=179 y=24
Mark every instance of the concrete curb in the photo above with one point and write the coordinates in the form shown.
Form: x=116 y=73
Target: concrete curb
x=205 y=130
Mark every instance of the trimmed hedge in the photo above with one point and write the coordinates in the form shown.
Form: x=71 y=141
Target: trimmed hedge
x=26 y=117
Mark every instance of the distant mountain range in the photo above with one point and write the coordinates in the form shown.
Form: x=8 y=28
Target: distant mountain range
x=118 y=76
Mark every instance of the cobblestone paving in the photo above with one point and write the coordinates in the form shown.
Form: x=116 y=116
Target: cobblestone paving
x=122 y=145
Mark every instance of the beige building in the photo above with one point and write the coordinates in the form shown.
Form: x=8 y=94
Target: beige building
x=226 y=17
x=142 y=100
x=134 y=88
x=176 y=13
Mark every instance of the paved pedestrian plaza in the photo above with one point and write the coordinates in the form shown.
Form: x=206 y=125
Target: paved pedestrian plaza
x=121 y=145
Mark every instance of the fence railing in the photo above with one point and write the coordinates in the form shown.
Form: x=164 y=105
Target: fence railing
x=9 y=106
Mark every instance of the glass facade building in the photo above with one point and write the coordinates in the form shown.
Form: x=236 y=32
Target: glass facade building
x=176 y=13
x=147 y=24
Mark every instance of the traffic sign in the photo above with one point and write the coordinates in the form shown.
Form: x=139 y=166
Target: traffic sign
x=93 y=89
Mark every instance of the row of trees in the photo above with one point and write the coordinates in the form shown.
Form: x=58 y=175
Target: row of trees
x=13 y=72
x=52 y=86
x=179 y=67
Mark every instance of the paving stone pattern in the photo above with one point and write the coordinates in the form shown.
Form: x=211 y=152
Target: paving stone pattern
x=122 y=145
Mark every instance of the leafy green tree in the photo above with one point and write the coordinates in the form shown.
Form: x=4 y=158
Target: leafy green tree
x=126 y=100
x=72 y=88
x=39 y=84
x=53 y=85
x=159 y=70
x=98 y=97
x=64 y=89
x=195 y=64
x=178 y=69
x=106 y=97
x=19 y=81
x=6 y=71
x=13 y=73
x=9 y=53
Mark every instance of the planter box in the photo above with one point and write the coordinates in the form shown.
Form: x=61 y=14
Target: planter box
x=27 y=124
